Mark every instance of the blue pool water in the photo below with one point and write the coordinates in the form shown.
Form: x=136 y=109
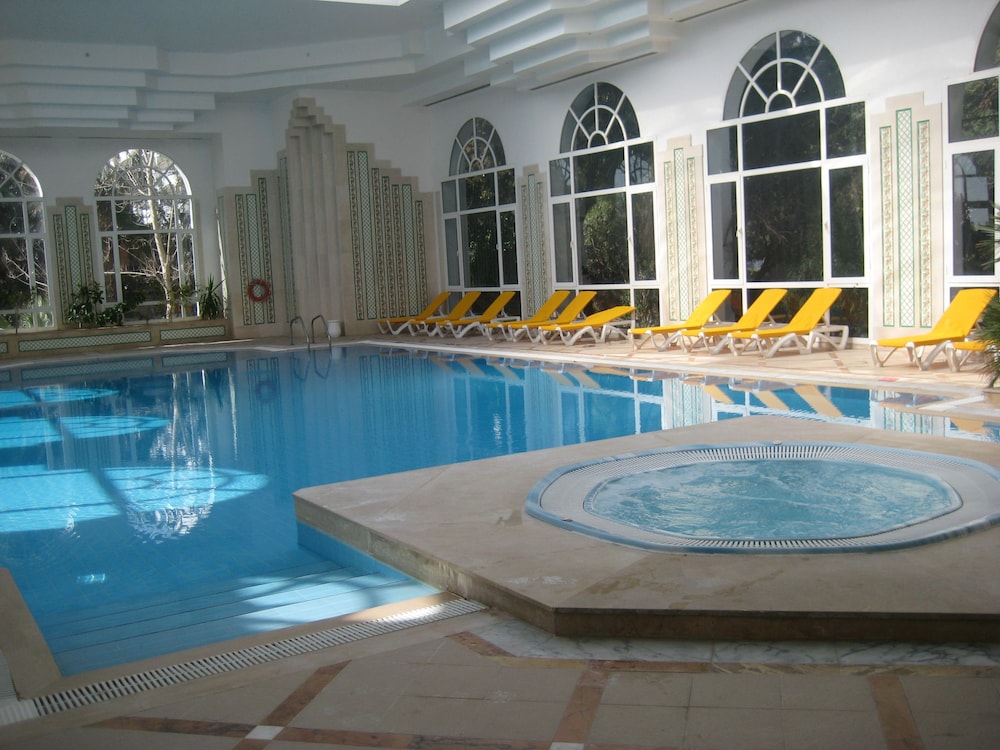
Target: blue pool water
x=773 y=499
x=146 y=502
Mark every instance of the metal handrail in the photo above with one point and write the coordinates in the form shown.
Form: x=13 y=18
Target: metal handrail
x=291 y=331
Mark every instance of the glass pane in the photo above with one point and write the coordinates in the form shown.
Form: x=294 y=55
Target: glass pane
x=851 y=309
x=477 y=192
x=828 y=72
x=36 y=217
x=603 y=231
x=109 y=267
x=449 y=198
x=600 y=170
x=138 y=266
x=974 y=243
x=798 y=45
x=452 y=252
x=41 y=272
x=845 y=130
x=782 y=140
x=559 y=183
x=640 y=164
x=808 y=91
x=506 y=190
x=562 y=241
x=784 y=240
x=723 y=154
x=847 y=222
x=11 y=217
x=725 y=251
x=15 y=286
x=972 y=110
x=647 y=307
x=760 y=54
x=508 y=247
x=479 y=233
x=104 y=216
x=643 y=242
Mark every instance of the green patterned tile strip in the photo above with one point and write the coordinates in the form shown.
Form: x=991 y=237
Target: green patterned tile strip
x=924 y=221
x=907 y=270
x=137 y=364
x=197 y=332
x=5 y=376
x=188 y=360
x=888 y=228
x=85 y=342
x=3 y=347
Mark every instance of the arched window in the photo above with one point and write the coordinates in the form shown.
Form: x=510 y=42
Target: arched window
x=602 y=203
x=146 y=230
x=24 y=277
x=973 y=147
x=479 y=216
x=786 y=178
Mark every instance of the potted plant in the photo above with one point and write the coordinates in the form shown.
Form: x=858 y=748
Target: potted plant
x=83 y=307
x=989 y=334
x=210 y=304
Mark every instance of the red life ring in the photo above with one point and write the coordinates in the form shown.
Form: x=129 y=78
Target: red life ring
x=258 y=290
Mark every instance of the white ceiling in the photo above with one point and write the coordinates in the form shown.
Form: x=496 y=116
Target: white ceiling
x=158 y=64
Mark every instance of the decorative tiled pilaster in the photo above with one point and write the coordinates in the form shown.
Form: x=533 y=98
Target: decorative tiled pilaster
x=683 y=275
x=533 y=257
x=909 y=194
x=74 y=252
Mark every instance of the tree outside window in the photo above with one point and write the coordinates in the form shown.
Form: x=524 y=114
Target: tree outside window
x=24 y=277
x=602 y=204
x=145 y=226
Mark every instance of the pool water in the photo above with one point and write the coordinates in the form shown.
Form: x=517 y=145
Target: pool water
x=140 y=491
x=789 y=498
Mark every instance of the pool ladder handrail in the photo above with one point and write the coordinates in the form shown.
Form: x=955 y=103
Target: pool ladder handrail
x=291 y=331
x=326 y=327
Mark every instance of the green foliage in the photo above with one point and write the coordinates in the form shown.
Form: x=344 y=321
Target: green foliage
x=989 y=332
x=85 y=308
x=210 y=304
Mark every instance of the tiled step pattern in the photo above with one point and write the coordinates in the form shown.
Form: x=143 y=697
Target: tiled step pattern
x=164 y=624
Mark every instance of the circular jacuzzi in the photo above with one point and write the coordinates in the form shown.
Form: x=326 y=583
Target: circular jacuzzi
x=771 y=497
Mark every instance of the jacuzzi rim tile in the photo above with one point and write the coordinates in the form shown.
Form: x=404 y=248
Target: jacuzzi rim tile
x=560 y=497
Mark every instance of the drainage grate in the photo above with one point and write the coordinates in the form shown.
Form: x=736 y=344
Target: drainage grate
x=562 y=497
x=231 y=661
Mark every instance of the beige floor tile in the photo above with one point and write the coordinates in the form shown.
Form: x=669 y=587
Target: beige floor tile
x=832 y=730
x=826 y=692
x=428 y=715
x=733 y=728
x=736 y=691
x=534 y=684
x=648 y=689
x=964 y=695
x=958 y=731
x=454 y=681
x=645 y=725
x=247 y=703
x=113 y=739
x=517 y=720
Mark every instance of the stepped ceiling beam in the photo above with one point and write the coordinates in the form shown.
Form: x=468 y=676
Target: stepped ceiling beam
x=120 y=65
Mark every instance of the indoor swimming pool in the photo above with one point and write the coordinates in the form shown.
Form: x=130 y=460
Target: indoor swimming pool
x=147 y=499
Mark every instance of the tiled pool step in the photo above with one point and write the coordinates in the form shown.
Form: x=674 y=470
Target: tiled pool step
x=199 y=617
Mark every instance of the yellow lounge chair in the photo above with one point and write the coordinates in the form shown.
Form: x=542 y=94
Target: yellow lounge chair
x=955 y=324
x=598 y=326
x=542 y=315
x=668 y=334
x=958 y=352
x=400 y=324
x=459 y=311
x=803 y=331
x=458 y=328
x=573 y=310
x=714 y=337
